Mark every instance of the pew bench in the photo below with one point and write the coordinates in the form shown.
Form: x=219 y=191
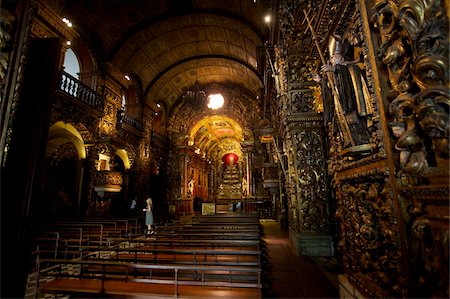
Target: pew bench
x=185 y=243
x=220 y=235
x=180 y=256
x=209 y=228
x=111 y=281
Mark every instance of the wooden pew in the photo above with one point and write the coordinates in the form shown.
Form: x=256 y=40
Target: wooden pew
x=113 y=279
x=211 y=227
x=64 y=239
x=227 y=218
x=186 y=243
x=123 y=227
x=167 y=255
x=57 y=242
x=218 y=234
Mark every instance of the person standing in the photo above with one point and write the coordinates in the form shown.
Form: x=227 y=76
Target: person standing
x=149 y=216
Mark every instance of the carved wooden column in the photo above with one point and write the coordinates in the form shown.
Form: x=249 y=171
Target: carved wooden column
x=306 y=183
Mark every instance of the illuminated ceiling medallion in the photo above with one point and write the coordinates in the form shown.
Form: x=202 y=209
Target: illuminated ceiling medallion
x=215 y=101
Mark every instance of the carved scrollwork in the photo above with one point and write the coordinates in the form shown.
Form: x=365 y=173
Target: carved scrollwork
x=415 y=45
x=369 y=241
x=104 y=149
x=311 y=181
x=6 y=30
x=301 y=102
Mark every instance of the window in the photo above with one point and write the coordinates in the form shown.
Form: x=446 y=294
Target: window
x=71 y=64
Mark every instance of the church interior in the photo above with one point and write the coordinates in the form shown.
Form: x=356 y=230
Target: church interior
x=172 y=148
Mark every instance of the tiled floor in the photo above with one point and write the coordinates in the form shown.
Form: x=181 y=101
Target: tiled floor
x=293 y=276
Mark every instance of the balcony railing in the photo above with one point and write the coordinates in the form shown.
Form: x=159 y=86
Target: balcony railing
x=71 y=86
x=124 y=119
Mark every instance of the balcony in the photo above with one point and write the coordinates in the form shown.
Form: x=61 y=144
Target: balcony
x=127 y=122
x=70 y=86
x=107 y=181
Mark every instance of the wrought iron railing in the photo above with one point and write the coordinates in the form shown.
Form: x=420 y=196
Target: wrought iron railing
x=73 y=87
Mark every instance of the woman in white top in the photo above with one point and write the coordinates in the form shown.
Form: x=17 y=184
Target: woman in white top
x=149 y=216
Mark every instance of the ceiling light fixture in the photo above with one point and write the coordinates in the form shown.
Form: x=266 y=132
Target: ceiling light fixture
x=216 y=101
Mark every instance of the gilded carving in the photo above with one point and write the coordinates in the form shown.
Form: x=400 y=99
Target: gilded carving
x=429 y=242
x=65 y=151
x=6 y=29
x=301 y=101
x=311 y=181
x=414 y=49
x=17 y=85
x=369 y=241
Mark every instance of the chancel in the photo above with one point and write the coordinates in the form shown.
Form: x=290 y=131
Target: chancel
x=236 y=149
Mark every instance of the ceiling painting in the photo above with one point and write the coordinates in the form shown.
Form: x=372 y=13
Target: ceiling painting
x=216 y=136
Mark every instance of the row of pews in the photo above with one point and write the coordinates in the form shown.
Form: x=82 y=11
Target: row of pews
x=64 y=239
x=208 y=256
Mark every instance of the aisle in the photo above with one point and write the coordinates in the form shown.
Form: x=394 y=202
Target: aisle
x=292 y=276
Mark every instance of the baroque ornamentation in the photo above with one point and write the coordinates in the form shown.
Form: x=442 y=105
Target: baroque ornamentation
x=415 y=51
x=301 y=101
x=369 y=241
x=429 y=242
x=66 y=151
x=18 y=84
x=6 y=29
x=311 y=181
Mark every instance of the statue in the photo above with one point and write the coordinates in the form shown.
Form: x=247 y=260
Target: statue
x=191 y=187
x=244 y=187
x=349 y=103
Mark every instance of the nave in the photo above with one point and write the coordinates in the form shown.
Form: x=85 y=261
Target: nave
x=234 y=255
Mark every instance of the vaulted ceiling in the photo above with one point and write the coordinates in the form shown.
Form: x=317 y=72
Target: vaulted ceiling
x=169 y=46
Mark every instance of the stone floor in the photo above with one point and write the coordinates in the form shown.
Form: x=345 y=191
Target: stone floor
x=294 y=276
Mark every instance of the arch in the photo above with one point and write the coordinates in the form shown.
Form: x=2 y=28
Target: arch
x=72 y=63
x=88 y=67
x=60 y=133
x=216 y=136
x=123 y=155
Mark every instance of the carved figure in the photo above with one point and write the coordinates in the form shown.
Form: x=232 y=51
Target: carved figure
x=353 y=93
x=191 y=187
x=244 y=187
